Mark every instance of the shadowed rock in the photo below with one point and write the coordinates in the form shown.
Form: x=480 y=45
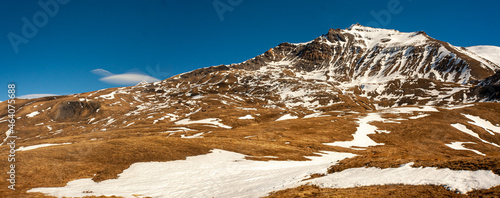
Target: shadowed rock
x=74 y=110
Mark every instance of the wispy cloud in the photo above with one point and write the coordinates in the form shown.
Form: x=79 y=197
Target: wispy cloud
x=101 y=72
x=32 y=96
x=123 y=79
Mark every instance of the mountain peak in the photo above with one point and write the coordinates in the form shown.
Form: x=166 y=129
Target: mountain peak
x=355 y=25
x=360 y=28
x=143 y=82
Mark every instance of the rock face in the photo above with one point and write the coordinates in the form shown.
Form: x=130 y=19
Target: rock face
x=488 y=89
x=360 y=51
x=74 y=110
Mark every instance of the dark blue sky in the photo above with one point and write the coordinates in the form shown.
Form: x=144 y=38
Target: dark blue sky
x=161 y=38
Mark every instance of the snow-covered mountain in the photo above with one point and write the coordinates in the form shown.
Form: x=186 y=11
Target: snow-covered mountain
x=489 y=52
x=385 y=67
x=353 y=98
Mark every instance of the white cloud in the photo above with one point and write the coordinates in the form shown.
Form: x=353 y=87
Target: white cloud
x=32 y=96
x=123 y=79
x=101 y=72
x=128 y=78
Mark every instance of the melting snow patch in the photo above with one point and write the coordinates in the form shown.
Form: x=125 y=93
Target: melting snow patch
x=228 y=174
x=451 y=107
x=33 y=114
x=216 y=174
x=198 y=135
x=382 y=131
x=110 y=121
x=314 y=75
x=172 y=117
x=130 y=124
x=464 y=129
x=108 y=96
x=197 y=97
x=315 y=115
x=211 y=121
x=460 y=180
x=271 y=157
x=247 y=117
x=22 y=148
x=412 y=109
x=57 y=132
x=287 y=117
x=391 y=121
x=459 y=146
x=419 y=116
x=179 y=129
x=247 y=109
x=483 y=123
x=7 y=135
x=361 y=138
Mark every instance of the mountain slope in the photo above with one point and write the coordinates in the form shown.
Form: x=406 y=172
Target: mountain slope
x=489 y=52
x=386 y=66
x=390 y=98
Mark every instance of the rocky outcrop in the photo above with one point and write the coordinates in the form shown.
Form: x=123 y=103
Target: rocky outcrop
x=489 y=88
x=73 y=110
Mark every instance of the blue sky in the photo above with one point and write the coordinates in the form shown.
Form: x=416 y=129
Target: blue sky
x=161 y=38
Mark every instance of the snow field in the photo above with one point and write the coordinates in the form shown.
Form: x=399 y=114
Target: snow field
x=228 y=174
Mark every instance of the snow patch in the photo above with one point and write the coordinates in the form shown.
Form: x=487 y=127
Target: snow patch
x=179 y=129
x=217 y=174
x=419 y=116
x=287 y=117
x=464 y=129
x=364 y=129
x=492 y=53
x=198 y=135
x=485 y=124
x=33 y=114
x=22 y=148
x=108 y=96
x=316 y=115
x=460 y=146
x=210 y=121
x=460 y=180
x=247 y=117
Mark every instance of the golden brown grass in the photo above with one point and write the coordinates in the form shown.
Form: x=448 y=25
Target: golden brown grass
x=114 y=151
x=420 y=141
x=395 y=191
